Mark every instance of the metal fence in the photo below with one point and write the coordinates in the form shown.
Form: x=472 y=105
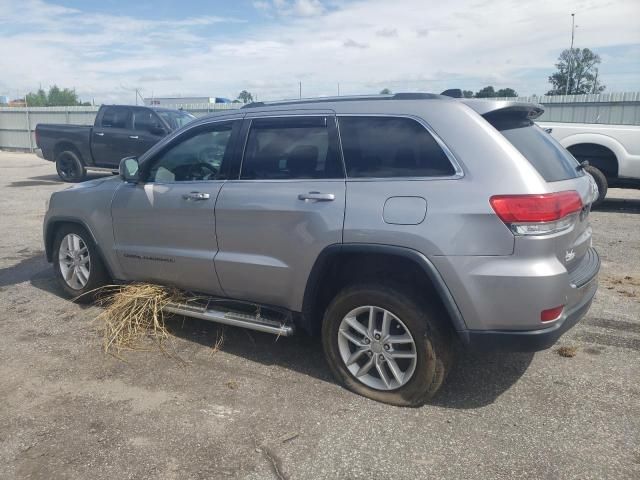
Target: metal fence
x=17 y=125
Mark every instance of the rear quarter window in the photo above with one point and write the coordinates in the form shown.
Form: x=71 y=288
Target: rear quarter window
x=384 y=147
x=546 y=155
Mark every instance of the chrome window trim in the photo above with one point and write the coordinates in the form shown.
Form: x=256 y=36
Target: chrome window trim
x=458 y=171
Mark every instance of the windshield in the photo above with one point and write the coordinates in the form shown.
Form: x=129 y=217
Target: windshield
x=176 y=120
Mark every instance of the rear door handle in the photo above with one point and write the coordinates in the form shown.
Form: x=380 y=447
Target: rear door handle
x=100 y=134
x=196 y=196
x=317 y=196
x=134 y=137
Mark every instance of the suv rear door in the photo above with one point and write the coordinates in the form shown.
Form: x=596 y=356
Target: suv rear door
x=285 y=208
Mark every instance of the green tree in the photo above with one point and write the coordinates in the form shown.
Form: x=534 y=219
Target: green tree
x=486 y=92
x=506 y=92
x=467 y=94
x=385 y=91
x=577 y=73
x=55 y=97
x=245 y=97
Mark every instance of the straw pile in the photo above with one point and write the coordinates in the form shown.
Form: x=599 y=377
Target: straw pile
x=133 y=314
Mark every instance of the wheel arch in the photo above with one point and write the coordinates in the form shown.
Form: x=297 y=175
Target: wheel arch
x=55 y=223
x=66 y=145
x=602 y=151
x=333 y=270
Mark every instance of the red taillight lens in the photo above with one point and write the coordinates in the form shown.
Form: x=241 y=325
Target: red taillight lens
x=546 y=207
x=551 y=314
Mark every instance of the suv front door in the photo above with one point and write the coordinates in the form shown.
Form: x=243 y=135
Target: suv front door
x=286 y=207
x=164 y=226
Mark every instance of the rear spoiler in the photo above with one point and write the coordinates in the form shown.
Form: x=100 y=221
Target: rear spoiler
x=504 y=108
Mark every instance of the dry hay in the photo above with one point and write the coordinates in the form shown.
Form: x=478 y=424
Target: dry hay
x=567 y=351
x=134 y=313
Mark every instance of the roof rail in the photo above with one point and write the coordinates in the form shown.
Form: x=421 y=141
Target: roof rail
x=397 y=96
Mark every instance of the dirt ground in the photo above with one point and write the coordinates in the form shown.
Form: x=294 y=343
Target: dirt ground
x=266 y=409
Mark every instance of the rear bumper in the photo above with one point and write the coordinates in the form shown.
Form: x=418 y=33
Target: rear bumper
x=540 y=339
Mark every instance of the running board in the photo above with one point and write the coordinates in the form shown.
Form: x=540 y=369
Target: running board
x=236 y=319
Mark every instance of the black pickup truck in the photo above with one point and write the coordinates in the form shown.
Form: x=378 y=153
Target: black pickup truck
x=119 y=131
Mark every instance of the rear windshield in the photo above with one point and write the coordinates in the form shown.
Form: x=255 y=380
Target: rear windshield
x=548 y=157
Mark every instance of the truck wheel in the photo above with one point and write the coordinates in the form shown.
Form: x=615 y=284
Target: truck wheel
x=385 y=344
x=601 y=182
x=77 y=263
x=69 y=166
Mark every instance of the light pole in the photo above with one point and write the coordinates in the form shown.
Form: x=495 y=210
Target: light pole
x=573 y=32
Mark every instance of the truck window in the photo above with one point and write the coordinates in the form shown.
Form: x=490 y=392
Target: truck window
x=145 y=120
x=116 y=117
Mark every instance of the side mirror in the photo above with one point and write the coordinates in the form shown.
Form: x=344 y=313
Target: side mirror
x=128 y=169
x=157 y=131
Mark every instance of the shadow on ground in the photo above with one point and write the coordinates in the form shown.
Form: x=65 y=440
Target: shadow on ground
x=619 y=205
x=476 y=380
x=52 y=179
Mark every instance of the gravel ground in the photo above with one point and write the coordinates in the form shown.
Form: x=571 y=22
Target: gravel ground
x=261 y=408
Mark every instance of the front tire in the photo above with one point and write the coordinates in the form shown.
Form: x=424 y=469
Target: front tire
x=70 y=167
x=386 y=344
x=77 y=263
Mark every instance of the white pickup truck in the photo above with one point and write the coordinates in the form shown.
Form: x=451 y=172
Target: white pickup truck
x=613 y=151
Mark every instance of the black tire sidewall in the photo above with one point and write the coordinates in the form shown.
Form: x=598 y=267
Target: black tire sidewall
x=98 y=276
x=417 y=318
x=601 y=182
x=79 y=168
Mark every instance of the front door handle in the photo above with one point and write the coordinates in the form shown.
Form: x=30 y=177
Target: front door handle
x=134 y=137
x=100 y=134
x=317 y=196
x=196 y=196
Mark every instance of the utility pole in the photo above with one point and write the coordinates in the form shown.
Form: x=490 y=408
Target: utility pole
x=300 y=92
x=338 y=88
x=573 y=32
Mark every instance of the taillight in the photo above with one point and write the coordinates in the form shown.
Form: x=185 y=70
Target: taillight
x=538 y=214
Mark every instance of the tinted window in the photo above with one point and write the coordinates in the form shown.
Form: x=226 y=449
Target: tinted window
x=198 y=157
x=547 y=156
x=145 y=120
x=290 y=148
x=116 y=117
x=176 y=119
x=391 y=147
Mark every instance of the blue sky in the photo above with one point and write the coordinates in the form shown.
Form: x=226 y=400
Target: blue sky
x=216 y=48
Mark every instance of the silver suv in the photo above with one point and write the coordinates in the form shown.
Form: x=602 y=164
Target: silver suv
x=397 y=226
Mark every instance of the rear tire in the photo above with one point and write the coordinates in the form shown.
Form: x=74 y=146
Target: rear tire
x=70 y=167
x=77 y=263
x=601 y=182
x=412 y=372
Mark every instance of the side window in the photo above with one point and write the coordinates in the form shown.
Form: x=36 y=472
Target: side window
x=198 y=157
x=116 y=117
x=289 y=148
x=385 y=147
x=145 y=120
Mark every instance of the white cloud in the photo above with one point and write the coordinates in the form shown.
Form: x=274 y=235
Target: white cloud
x=364 y=46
